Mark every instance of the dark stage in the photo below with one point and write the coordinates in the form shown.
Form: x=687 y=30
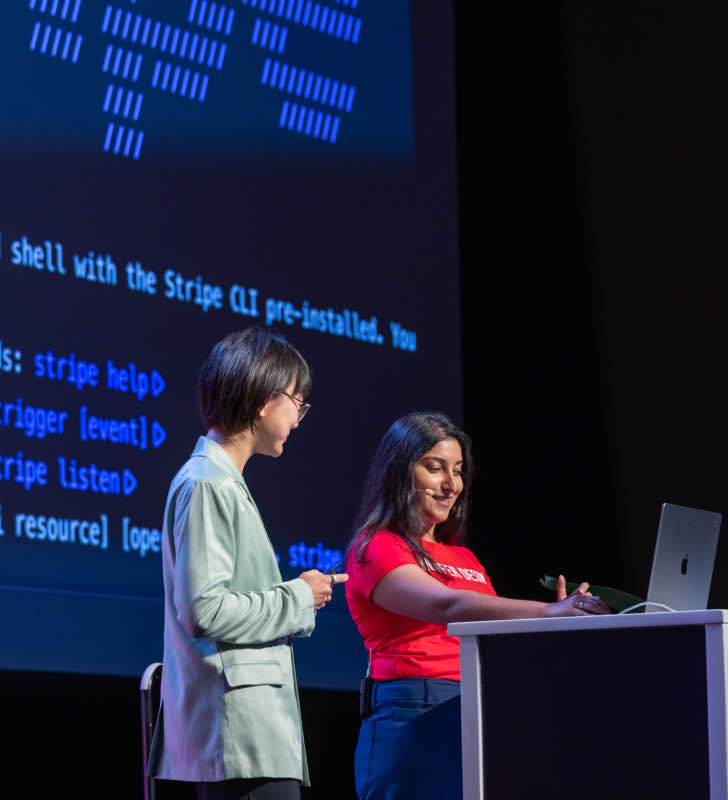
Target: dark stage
x=590 y=211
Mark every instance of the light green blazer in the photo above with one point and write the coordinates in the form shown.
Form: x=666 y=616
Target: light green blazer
x=229 y=698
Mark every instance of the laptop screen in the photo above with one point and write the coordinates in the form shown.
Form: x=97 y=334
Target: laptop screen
x=682 y=566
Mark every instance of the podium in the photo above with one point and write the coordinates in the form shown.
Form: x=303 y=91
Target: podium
x=617 y=707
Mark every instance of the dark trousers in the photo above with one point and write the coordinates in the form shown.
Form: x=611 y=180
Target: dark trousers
x=250 y=789
x=409 y=748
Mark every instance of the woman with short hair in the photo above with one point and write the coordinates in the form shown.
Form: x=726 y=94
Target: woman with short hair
x=230 y=718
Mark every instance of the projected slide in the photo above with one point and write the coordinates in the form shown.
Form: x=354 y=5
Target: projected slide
x=138 y=78
x=172 y=171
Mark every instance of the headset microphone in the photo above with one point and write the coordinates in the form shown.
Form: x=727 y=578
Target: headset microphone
x=426 y=491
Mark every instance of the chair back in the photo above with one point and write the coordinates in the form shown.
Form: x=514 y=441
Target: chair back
x=149 y=690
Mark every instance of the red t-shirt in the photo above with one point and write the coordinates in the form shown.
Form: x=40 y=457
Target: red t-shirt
x=403 y=647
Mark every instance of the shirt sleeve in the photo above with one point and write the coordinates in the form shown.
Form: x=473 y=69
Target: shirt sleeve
x=470 y=555
x=206 y=605
x=384 y=552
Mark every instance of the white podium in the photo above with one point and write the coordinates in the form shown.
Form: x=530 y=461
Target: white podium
x=616 y=707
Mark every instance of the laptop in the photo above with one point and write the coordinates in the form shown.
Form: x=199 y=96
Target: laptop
x=682 y=566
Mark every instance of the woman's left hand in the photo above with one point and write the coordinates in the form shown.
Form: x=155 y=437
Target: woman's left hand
x=561 y=589
x=592 y=606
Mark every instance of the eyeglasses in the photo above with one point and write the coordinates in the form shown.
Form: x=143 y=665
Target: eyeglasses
x=302 y=407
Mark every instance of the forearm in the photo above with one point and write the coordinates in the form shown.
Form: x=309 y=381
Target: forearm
x=256 y=617
x=465 y=606
x=218 y=585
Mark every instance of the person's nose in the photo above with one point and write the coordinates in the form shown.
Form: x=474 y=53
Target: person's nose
x=451 y=482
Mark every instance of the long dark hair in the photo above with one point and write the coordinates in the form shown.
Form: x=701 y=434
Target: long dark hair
x=388 y=499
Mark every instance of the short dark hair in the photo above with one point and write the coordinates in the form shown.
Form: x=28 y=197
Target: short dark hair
x=388 y=499
x=243 y=371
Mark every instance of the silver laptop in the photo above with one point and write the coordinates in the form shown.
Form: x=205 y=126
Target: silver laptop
x=682 y=567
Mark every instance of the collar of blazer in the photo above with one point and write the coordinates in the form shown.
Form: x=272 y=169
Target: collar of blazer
x=206 y=448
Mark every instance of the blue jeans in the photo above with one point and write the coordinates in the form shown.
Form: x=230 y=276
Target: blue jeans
x=410 y=745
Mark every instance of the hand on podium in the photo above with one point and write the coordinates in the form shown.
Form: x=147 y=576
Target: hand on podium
x=579 y=603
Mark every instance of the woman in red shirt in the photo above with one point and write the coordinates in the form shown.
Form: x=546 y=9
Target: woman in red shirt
x=408 y=579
